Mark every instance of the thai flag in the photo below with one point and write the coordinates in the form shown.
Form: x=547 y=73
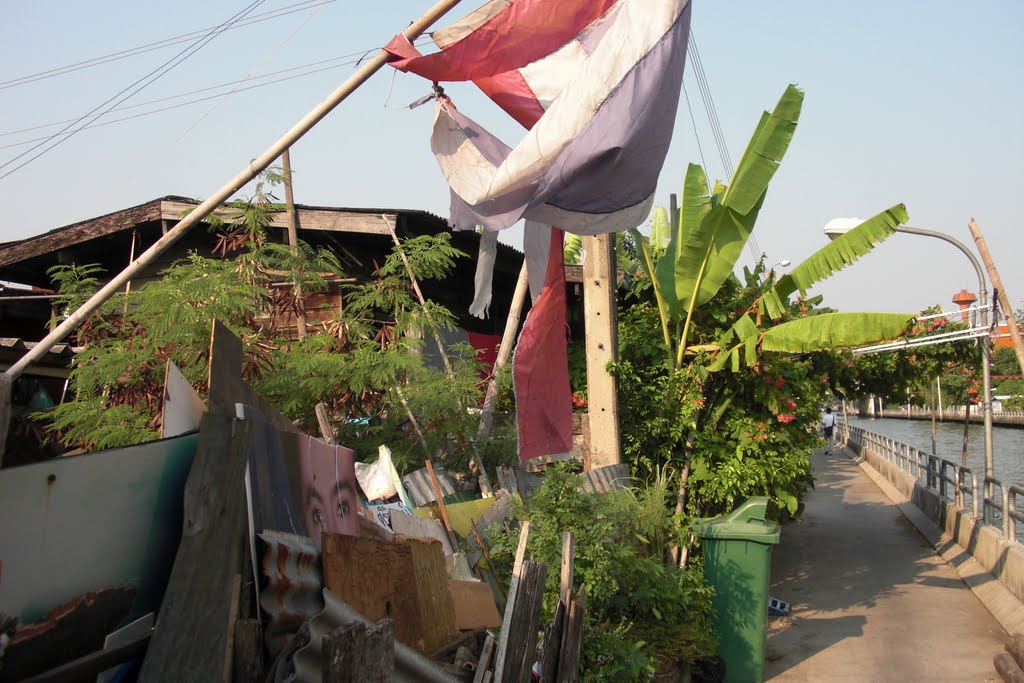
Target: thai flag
x=597 y=84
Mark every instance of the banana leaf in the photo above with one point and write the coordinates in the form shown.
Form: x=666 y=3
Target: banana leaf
x=711 y=250
x=835 y=330
x=833 y=257
x=695 y=206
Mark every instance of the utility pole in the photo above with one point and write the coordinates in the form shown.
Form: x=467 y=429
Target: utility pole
x=599 y=285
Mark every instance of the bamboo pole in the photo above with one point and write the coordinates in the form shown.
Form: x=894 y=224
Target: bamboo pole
x=504 y=353
x=293 y=240
x=255 y=167
x=997 y=285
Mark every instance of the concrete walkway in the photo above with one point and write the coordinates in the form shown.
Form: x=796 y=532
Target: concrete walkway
x=871 y=598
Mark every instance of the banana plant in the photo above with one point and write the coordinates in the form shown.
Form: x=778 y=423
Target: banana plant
x=707 y=237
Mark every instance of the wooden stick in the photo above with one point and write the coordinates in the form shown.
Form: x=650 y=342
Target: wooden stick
x=483 y=664
x=487 y=559
x=442 y=506
x=997 y=284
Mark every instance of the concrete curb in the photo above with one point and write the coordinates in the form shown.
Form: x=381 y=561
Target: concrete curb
x=997 y=599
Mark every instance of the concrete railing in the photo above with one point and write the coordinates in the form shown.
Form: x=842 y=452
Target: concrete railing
x=1002 y=418
x=980 y=513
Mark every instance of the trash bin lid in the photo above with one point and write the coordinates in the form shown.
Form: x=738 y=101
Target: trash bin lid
x=746 y=523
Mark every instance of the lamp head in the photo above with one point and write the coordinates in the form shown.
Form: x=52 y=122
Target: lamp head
x=838 y=226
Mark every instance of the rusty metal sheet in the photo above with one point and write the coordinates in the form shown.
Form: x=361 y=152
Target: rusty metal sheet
x=290 y=567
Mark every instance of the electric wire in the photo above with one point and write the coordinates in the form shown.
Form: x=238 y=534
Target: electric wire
x=712 y=111
x=282 y=72
x=131 y=90
x=693 y=122
x=158 y=45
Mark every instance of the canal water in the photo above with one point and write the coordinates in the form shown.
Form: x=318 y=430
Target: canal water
x=1007 y=443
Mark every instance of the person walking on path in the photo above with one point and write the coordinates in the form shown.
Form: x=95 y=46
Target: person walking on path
x=828 y=424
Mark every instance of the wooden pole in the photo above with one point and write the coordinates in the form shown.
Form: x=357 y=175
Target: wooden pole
x=997 y=284
x=504 y=353
x=442 y=506
x=255 y=167
x=293 y=240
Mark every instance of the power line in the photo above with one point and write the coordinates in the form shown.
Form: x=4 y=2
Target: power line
x=131 y=90
x=292 y=71
x=158 y=45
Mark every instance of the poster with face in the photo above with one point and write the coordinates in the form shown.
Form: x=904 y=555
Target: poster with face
x=299 y=484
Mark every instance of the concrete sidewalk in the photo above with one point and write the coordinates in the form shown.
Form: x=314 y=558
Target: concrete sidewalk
x=871 y=598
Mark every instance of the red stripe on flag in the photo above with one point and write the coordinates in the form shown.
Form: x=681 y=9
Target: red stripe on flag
x=541 y=368
x=521 y=33
x=511 y=92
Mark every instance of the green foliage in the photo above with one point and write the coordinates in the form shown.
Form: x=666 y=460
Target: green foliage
x=74 y=285
x=1004 y=362
x=639 y=611
x=357 y=364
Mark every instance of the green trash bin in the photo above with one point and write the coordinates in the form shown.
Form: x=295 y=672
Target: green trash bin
x=737 y=561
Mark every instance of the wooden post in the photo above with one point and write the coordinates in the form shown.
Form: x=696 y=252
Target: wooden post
x=997 y=284
x=504 y=353
x=293 y=239
x=358 y=652
x=255 y=167
x=483 y=664
x=599 y=284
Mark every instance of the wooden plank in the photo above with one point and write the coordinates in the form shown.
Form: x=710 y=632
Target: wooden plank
x=191 y=632
x=333 y=220
x=568 y=560
x=474 y=605
x=225 y=384
x=182 y=409
x=510 y=602
x=483 y=664
x=87 y=667
x=358 y=652
x=553 y=635
x=403 y=580
x=248 y=652
x=569 y=657
x=522 y=636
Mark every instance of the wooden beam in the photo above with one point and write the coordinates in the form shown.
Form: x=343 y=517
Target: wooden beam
x=358 y=652
x=327 y=220
x=510 y=602
x=997 y=284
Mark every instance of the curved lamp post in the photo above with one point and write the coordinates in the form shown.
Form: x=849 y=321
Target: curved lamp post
x=837 y=227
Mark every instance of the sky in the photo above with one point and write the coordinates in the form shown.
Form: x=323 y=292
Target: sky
x=905 y=102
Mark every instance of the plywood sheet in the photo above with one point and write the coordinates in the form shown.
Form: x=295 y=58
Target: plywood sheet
x=183 y=409
x=403 y=580
x=474 y=605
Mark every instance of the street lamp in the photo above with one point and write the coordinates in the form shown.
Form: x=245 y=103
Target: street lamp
x=838 y=226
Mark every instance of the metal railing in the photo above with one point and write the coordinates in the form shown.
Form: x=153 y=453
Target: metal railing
x=988 y=499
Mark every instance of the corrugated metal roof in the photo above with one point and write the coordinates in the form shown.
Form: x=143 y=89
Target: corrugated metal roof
x=420 y=488
x=291 y=566
x=17 y=344
x=606 y=479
